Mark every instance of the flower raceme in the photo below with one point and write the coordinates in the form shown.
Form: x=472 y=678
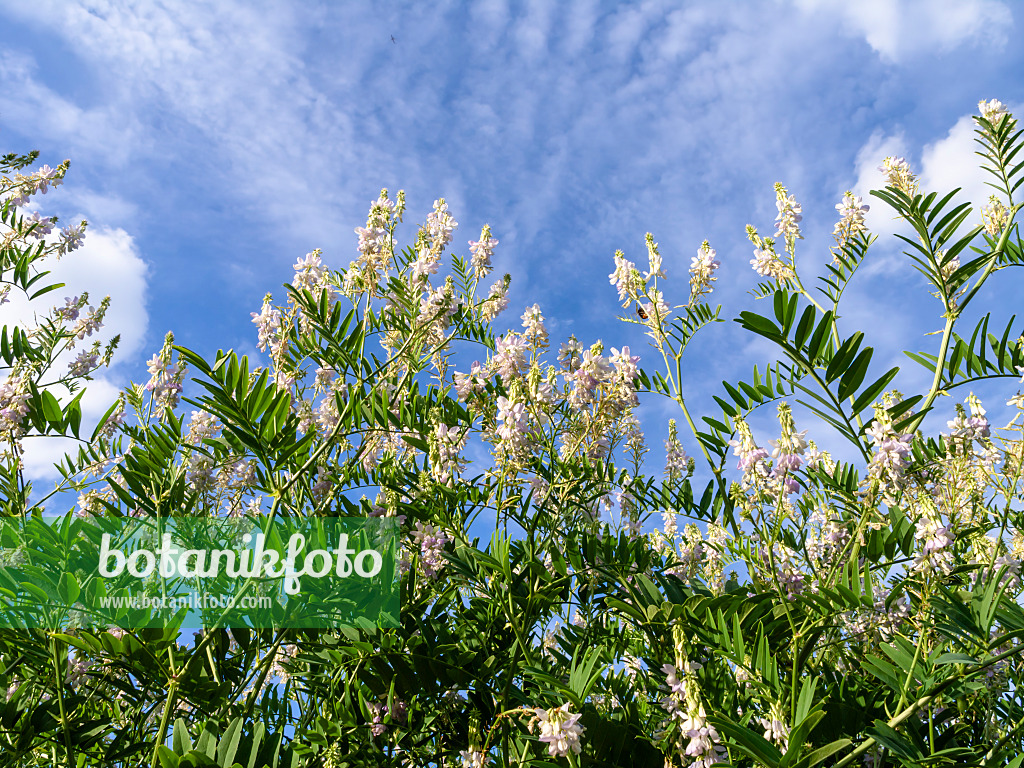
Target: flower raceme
x=559 y=729
x=793 y=534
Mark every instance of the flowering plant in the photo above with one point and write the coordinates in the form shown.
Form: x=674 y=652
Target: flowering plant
x=796 y=609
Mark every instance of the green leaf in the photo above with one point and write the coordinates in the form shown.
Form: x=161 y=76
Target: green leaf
x=752 y=744
x=759 y=325
x=51 y=408
x=841 y=359
x=874 y=391
x=798 y=738
x=229 y=743
x=821 y=753
x=167 y=758
x=181 y=741
x=68 y=588
x=855 y=374
x=884 y=734
x=955 y=658
x=803 y=328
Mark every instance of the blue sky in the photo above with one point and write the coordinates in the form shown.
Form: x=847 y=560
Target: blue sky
x=213 y=144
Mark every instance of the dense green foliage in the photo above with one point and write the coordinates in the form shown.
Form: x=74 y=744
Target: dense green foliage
x=808 y=611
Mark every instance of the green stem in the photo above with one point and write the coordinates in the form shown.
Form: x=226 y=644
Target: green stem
x=993 y=258
x=925 y=701
x=59 y=677
x=169 y=705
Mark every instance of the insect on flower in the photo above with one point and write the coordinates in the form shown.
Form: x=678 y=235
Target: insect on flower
x=641 y=312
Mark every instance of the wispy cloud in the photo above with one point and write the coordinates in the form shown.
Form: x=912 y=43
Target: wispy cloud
x=227 y=137
x=109 y=264
x=898 y=29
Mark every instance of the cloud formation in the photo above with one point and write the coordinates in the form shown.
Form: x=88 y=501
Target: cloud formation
x=898 y=29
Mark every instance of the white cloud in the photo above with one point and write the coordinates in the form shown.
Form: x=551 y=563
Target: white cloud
x=897 y=29
x=880 y=218
x=106 y=130
x=41 y=453
x=951 y=162
x=107 y=264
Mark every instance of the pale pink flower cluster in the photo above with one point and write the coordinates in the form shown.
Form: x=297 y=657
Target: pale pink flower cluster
x=78 y=670
x=496 y=301
x=827 y=535
x=669 y=527
x=559 y=729
x=509 y=358
x=327 y=415
x=72 y=306
x=202 y=426
x=897 y=174
x=751 y=458
x=590 y=380
x=676 y=689
x=270 y=328
x=376 y=249
x=440 y=225
x=702 y=271
x=86 y=362
x=89 y=503
x=892 y=451
x=379 y=712
x=594 y=371
x=704 y=745
x=514 y=426
x=115 y=420
x=970 y=428
x=788 y=450
x=91 y=323
x=436 y=306
x=310 y=273
x=482 y=250
x=629 y=514
x=473 y=758
x=992 y=110
x=790 y=578
x=714 y=564
x=995 y=216
x=657 y=309
x=431 y=542
x=200 y=472
x=625 y=278
x=775 y=728
x=789 y=218
x=689 y=555
x=427 y=263
x=373 y=244
x=881 y=621
x=1011 y=577
x=653 y=258
x=533 y=327
x=763 y=262
x=570 y=353
x=851 y=218
x=936 y=542
x=71 y=238
x=766 y=261
x=41 y=225
x=445 y=445
x=165 y=378
x=39 y=181
x=474 y=382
